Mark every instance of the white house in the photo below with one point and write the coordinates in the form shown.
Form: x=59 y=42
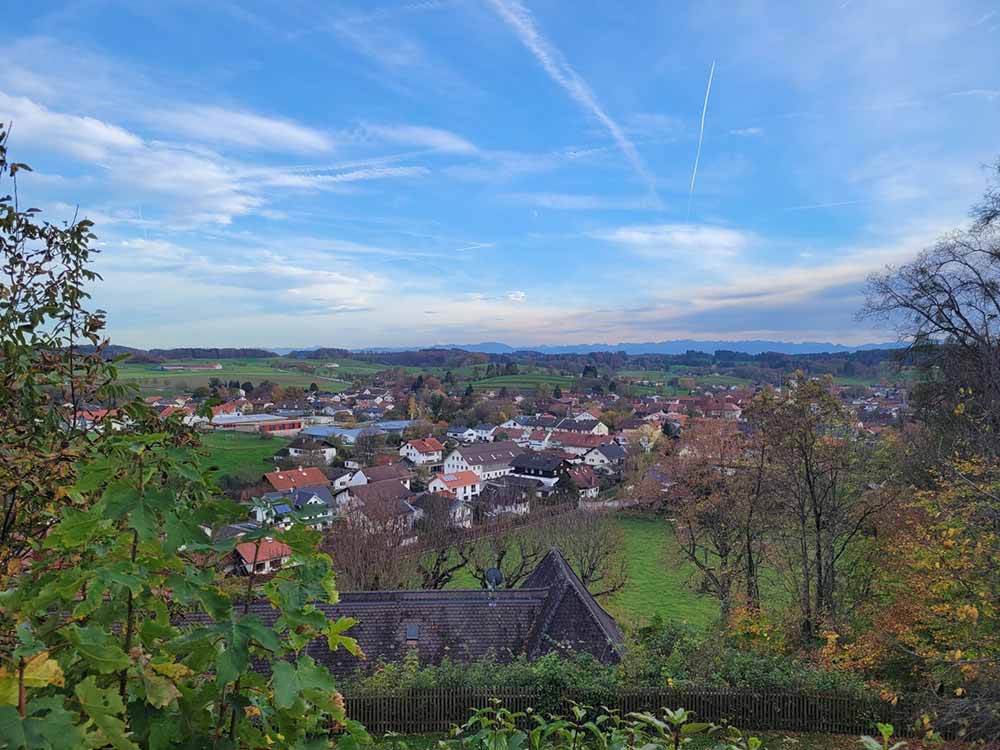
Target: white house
x=265 y=556
x=462 y=485
x=487 y=460
x=484 y=432
x=605 y=457
x=309 y=449
x=421 y=452
x=461 y=433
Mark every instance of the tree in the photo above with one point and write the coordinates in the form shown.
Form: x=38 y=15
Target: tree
x=124 y=633
x=719 y=497
x=830 y=487
x=444 y=549
x=313 y=387
x=557 y=392
x=366 y=550
x=515 y=552
x=946 y=306
x=594 y=546
x=43 y=329
x=367 y=445
x=247 y=387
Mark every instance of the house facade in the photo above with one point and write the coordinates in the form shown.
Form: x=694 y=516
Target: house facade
x=487 y=460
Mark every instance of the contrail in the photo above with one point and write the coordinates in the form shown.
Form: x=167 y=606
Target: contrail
x=521 y=21
x=811 y=206
x=701 y=137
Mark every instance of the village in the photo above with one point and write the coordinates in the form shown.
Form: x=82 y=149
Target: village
x=382 y=458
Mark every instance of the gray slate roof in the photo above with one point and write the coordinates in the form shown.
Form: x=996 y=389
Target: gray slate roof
x=551 y=611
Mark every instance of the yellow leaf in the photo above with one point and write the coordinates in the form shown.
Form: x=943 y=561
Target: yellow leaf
x=39 y=671
x=173 y=670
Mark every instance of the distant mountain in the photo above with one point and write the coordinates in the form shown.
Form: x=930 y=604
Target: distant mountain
x=679 y=346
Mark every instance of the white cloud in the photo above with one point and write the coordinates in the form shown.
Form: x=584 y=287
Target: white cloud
x=555 y=64
x=245 y=129
x=432 y=138
x=747 y=132
x=86 y=138
x=516 y=296
x=690 y=242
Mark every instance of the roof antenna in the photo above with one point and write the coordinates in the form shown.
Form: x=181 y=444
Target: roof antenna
x=494 y=579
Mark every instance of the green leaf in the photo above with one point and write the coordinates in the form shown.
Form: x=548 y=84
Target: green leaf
x=77 y=528
x=12 y=733
x=97 y=648
x=106 y=711
x=286 y=685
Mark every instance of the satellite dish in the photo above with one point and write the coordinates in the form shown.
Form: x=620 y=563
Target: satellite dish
x=494 y=578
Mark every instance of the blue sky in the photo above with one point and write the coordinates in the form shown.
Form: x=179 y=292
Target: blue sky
x=449 y=171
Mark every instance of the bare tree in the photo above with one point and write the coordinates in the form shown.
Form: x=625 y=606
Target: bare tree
x=594 y=546
x=444 y=548
x=946 y=305
x=368 y=550
x=514 y=552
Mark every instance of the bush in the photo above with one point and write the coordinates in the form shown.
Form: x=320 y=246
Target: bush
x=671 y=655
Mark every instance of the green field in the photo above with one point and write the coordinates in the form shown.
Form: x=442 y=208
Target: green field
x=525 y=381
x=240 y=454
x=151 y=379
x=660 y=580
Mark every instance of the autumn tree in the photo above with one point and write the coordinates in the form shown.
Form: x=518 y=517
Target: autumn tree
x=123 y=632
x=443 y=547
x=830 y=489
x=719 y=495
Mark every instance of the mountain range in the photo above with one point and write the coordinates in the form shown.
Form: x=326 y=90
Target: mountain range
x=677 y=346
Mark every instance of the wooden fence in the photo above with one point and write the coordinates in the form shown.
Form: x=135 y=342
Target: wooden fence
x=427 y=711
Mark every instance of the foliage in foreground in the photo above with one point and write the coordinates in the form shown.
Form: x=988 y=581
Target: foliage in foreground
x=117 y=627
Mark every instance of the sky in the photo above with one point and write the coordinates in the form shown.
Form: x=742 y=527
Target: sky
x=392 y=173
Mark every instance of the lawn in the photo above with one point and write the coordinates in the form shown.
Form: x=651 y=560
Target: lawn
x=153 y=380
x=241 y=454
x=660 y=580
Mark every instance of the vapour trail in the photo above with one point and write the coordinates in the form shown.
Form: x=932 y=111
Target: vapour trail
x=701 y=137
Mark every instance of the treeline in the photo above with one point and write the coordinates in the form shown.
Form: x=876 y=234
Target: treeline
x=152 y=356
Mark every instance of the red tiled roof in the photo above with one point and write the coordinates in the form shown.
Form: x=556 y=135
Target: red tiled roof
x=427 y=445
x=269 y=550
x=458 y=479
x=288 y=480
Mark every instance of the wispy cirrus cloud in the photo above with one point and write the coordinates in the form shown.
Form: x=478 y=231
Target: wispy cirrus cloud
x=521 y=21
x=241 y=128
x=695 y=243
x=420 y=136
x=86 y=138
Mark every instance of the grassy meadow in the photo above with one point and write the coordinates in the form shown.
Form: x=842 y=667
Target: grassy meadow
x=151 y=379
x=241 y=454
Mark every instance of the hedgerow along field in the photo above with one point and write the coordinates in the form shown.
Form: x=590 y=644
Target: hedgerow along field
x=524 y=381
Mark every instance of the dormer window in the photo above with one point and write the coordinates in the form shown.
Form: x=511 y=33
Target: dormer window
x=412 y=632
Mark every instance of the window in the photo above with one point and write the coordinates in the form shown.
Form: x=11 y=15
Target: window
x=412 y=632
